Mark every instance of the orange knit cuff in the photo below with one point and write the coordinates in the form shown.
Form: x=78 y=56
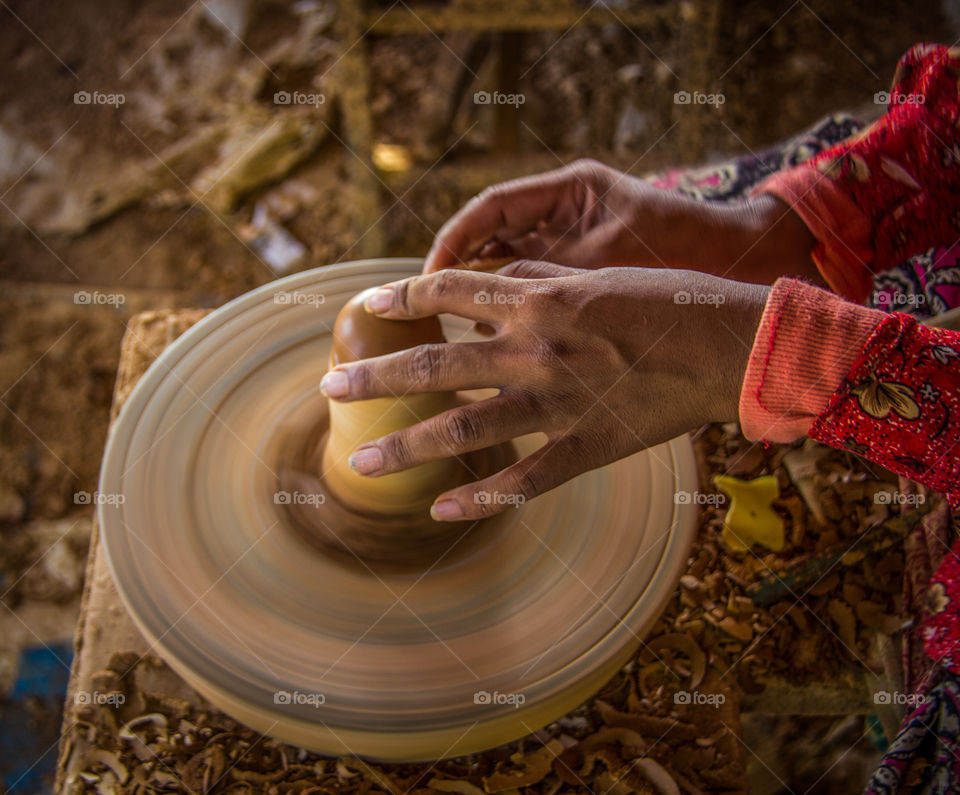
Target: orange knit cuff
x=807 y=341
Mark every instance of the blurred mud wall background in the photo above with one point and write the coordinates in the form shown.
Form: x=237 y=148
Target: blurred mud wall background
x=160 y=154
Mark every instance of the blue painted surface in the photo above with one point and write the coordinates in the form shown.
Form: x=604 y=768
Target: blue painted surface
x=28 y=746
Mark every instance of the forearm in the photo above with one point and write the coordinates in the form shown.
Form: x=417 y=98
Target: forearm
x=756 y=241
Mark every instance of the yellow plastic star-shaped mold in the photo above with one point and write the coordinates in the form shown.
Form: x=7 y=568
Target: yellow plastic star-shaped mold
x=750 y=518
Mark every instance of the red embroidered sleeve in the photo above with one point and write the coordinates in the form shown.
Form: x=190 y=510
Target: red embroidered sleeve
x=903 y=171
x=899 y=405
x=891 y=190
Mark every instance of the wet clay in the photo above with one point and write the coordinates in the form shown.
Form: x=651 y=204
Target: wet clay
x=383 y=521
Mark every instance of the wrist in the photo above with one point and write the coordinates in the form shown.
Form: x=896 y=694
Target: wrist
x=757 y=240
x=745 y=304
x=776 y=242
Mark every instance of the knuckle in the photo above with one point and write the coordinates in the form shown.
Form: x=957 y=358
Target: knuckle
x=587 y=165
x=444 y=283
x=363 y=383
x=396 y=451
x=550 y=352
x=401 y=297
x=425 y=362
x=583 y=447
x=555 y=294
x=491 y=193
x=462 y=430
x=527 y=483
x=518 y=268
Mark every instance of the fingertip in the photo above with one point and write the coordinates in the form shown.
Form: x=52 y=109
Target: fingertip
x=379 y=301
x=366 y=461
x=446 y=510
x=335 y=385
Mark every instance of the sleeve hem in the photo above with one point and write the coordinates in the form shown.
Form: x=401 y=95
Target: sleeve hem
x=807 y=341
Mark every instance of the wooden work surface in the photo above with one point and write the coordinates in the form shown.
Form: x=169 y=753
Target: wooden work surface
x=801 y=642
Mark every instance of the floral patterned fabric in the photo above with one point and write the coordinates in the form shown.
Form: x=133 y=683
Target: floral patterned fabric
x=923 y=757
x=900 y=404
x=903 y=171
x=926 y=285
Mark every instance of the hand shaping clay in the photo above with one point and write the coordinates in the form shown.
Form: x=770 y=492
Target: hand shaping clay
x=358 y=334
x=381 y=520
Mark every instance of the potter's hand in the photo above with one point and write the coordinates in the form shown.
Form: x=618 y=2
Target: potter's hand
x=604 y=362
x=588 y=215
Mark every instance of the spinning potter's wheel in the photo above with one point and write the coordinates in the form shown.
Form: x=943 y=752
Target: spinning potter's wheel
x=522 y=618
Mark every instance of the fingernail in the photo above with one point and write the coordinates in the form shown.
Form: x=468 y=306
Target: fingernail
x=335 y=384
x=445 y=510
x=367 y=460
x=380 y=301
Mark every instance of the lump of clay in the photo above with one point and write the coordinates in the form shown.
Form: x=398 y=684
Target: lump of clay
x=358 y=334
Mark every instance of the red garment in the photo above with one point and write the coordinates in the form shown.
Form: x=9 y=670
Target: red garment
x=887 y=193
x=899 y=405
x=891 y=190
x=883 y=386
x=807 y=342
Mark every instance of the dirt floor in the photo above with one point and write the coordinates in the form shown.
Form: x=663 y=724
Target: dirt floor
x=174 y=197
